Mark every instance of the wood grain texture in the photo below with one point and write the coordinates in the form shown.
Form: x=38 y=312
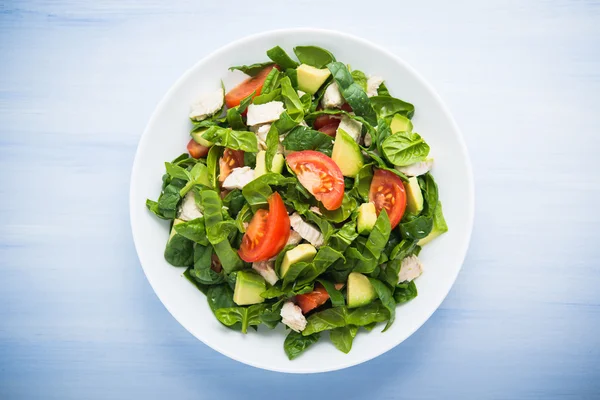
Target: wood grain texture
x=78 y=82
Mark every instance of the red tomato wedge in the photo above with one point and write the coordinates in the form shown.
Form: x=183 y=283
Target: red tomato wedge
x=245 y=89
x=324 y=120
x=231 y=159
x=320 y=175
x=196 y=150
x=387 y=191
x=309 y=301
x=267 y=233
x=331 y=129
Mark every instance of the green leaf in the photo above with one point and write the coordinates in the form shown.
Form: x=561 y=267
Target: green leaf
x=271 y=316
x=362 y=182
x=272 y=146
x=352 y=92
x=292 y=102
x=220 y=231
x=405 y=292
x=246 y=316
x=281 y=58
x=212 y=163
x=343 y=237
x=277 y=290
x=383 y=132
x=342 y=213
x=177 y=172
x=336 y=297
x=198 y=176
x=267 y=97
x=342 y=337
x=365 y=315
x=295 y=343
x=234 y=201
x=202 y=271
x=325 y=257
x=179 y=251
x=386 y=106
x=399 y=253
x=258 y=191
x=330 y=318
x=313 y=56
x=387 y=299
x=417 y=228
x=200 y=286
x=212 y=206
x=236 y=140
x=153 y=206
x=251 y=70
x=304 y=138
x=374 y=245
x=193 y=230
x=382 y=90
x=360 y=78
x=404 y=148
x=271 y=82
x=430 y=194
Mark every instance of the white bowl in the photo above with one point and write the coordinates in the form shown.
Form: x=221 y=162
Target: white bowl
x=166 y=136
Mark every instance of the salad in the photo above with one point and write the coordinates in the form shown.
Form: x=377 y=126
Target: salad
x=304 y=199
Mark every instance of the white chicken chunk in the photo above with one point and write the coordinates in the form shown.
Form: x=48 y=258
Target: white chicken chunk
x=238 y=178
x=207 y=105
x=306 y=230
x=294 y=238
x=263 y=113
x=266 y=270
x=410 y=269
x=332 y=98
x=373 y=84
x=351 y=127
x=291 y=315
x=188 y=210
x=418 y=168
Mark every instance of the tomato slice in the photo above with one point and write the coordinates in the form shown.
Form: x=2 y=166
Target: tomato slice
x=231 y=159
x=267 y=233
x=331 y=129
x=196 y=150
x=387 y=191
x=320 y=175
x=309 y=301
x=245 y=89
x=324 y=120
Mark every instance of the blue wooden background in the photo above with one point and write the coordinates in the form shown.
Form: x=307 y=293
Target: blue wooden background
x=78 y=82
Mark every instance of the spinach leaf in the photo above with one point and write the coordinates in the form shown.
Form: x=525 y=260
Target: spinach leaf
x=387 y=299
x=306 y=101
x=279 y=259
x=234 y=115
x=430 y=193
x=374 y=245
x=277 y=291
x=179 y=251
x=386 y=106
x=236 y=140
x=200 y=286
x=404 y=148
x=267 y=97
x=272 y=146
x=229 y=258
x=175 y=171
x=271 y=82
x=325 y=227
x=304 y=138
x=285 y=122
x=281 y=58
x=193 y=230
x=170 y=198
x=362 y=182
x=382 y=90
x=342 y=213
x=247 y=316
x=343 y=237
x=330 y=318
x=295 y=343
x=153 y=206
x=234 y=201
x=360 y=78
x=258 y=191
x=342 y=337
x=293 y=273
x=292 y=102
x=198 y=176
x=253 y=69
x=271 y=316
x=365 y=315
x=417 y=228
x=202 y=271
x=313 y=56
x=352 y=92
x=383 y=132
x=293 y=75
x=220 y=296
x=336 y=297
x=212 y=162
x=220 y=231
x=245 y=215
x=325 y=257
x=405 y=292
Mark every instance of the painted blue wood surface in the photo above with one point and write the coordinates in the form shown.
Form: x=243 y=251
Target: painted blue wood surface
x=78 y=82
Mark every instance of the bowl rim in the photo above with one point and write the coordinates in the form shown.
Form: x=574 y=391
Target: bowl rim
x=469 y=196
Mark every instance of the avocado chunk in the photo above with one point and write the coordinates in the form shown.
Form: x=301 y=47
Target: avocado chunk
x=367 y=216
x=302 y=252
x=197 y=136
x=360 y=290
x=400 y=124
x=439 y=226
x=346 y=154
x=310 y=79
x=261 y=166
x=414 y=197
x=248 y=287
x=173 y=232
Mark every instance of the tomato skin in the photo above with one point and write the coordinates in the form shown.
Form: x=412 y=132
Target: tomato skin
x=245 y=89
x=231 y=159
x=320 y=175
x=387 y=191
x=324 y=120
x=330 y=130
x=309 y=301
x=196 y=150
x=267 y=233
x=346 y=107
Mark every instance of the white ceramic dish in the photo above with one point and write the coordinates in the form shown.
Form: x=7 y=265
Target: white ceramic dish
x=166 y=136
